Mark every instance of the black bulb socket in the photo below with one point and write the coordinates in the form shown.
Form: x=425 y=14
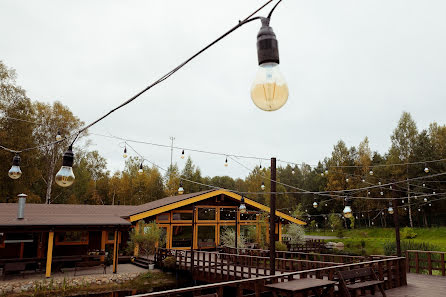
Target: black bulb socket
x=16 y=160
x=68 y=157
x=267 y=45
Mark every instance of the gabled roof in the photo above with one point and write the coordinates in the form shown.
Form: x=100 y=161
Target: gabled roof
x=174 y=202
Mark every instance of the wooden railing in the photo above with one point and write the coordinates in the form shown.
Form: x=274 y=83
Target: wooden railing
x=425 y=262
x=391 y=270
x=346 y=259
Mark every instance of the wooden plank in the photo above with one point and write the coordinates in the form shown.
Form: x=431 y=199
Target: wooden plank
x=49 y=254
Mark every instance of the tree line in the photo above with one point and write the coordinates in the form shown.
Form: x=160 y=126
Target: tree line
x=346 y=168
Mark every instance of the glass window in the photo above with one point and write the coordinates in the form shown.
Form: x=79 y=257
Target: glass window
x=181 y=236
x=163 y=217
x=249 y=232
x=248 y=216
x=227 y=235
x=111 y=236
x=206 y=236
x=163 y=238
x=75 y=236
x=182 y=216
x=206 y=214
x=227 y=214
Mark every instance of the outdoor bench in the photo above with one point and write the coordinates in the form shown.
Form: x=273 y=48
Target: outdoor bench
x=19 y=267
x=358 y=280
x=89 y=264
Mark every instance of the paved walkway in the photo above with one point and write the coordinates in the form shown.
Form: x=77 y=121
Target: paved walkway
x=420 y=285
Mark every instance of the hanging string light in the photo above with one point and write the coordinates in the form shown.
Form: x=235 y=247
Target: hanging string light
x=322 y=174
x=371 y=172
x=315 y=204
x=326 y=171
x=430 y=204
x=140 y=170
x=381 y=193
x=347 y=209
x=58 y=136
x=65 y=177
x=363 y=180
x=425 y=199
x=15 y=171
x=182 y=154
x=226 y=162
x=390 y=210
x=180 y=188
x=263 y=186
x=292 y=171
x=346 y=180
x=242 y=207
x=125 y=152
x=426 y=169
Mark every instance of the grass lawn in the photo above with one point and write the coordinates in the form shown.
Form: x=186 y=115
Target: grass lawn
x=375 y=238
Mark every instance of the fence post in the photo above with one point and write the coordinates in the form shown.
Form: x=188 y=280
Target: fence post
x=429 y=263
x=443 y=272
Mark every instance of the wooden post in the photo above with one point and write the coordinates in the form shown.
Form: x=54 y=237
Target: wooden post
x=49 y=255
x=192 y=258
x=103 y=239
x=272 y=221
x=136 y=249
x=236 y=230
x=397 y=228
x=115 y=253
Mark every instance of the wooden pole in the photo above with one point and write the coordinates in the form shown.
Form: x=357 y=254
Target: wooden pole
x=115 y=253
x=236 y=231
x=192 y=257
x=103 y=239
x=49 y=254
x=397 y=227
x=272 y=220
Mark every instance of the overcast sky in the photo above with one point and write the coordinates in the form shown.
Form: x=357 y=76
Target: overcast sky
x=352 y=68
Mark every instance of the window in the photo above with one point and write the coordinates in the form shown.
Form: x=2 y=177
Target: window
x=249 y=232
x=248 y=216
x=206 y=236
x=181 y=236
x=182 y=216
x=163 y=217
x=162 y=243
x=227 y=214
x=2 y=240
x=76 y=237
x=206 y=214
x=226 y=232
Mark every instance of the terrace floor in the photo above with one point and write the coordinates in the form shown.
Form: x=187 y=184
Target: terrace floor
x=420 y=285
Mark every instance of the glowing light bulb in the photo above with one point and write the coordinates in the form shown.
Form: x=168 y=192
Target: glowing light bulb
x=363 y=180
x=226 y=162
x=182 y=154
x=58 y=136
x=402 y=201
x=65 y=177
x=373 y=223
x=347 y=212
x=381 y=193
x=292 y=171
x=140 y=170
x=424 y=185
x=426 y=170
x=368 y=193
x=425 y=199
x=15 y=171
x=346 y=180
x=315 y=204
x=379 y=183
x=326 y=204
x=390 y=210
x=326 y=172
x=322 y=174
x=390 y=187
x=430 y=204
x=262 y=186
x=269 y=90
x=125 y=153
x=371 y=172
x=180 y=189
x=242 y=207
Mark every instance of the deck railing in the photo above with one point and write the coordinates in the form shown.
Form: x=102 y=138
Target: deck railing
x=250 y=273
x=425 y=262
x=391 y=270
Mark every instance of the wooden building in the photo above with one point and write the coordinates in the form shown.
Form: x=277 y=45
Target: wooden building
x=48 y=232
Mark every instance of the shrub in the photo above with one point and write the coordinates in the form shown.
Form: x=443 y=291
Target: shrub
x=169 y=262
x=227 y=238
x=390 y=247
x=408 y=233
x=280 y=246
x=296 y=234
x=340 y=232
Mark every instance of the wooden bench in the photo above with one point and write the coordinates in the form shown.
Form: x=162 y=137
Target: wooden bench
x=359 y=280
x=89 y=264
x=19 y=267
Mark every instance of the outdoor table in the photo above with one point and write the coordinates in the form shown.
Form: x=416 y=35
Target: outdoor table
x=292 y=288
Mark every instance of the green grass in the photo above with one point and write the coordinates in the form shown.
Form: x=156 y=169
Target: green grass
x=375 y=238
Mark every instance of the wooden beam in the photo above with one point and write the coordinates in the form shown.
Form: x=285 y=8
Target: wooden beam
x=49 y=255
x=136 y=248
x=103 y=240
x=115 y=253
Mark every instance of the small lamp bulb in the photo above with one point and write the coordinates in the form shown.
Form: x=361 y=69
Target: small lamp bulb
x=226 y=162
x=426 y=169
x=58 y=136
x=125 y=153
x=15 y=171
x=180 y=189
x=65 y=177
x=140 y=170
x=347 y=212
x=242 y=207
x=425 y=199
x=182 y=154
x=391 y=211
x=262 y=186
x=371 y=172
x=269 y=90
x=315 y=204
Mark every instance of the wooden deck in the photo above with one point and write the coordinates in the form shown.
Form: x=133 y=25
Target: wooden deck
x=420 y=285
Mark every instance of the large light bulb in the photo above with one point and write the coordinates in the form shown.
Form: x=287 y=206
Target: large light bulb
x=180 y=189
x=315 y=204
x=347 y=212
x=15 y=171
x=65 y=176
x=390 y=210
x=269 y=90
x=140 y=170
x=58 y=136
x=263 y=186
x=125 y=153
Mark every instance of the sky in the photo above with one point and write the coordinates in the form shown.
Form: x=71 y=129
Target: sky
x=352 y=68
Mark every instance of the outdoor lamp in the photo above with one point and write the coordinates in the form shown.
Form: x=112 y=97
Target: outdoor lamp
x=15 y=171
x=58 y=136
x=315 y=204
x=347 y=209
x=263 y=186
x=425 y=199
x=390 y=210
x=182 y=154
x=269 y=90
x=371 y=172
x=140 y=170
x=426 y=170
x=242 y=206
x=180 y=189
x=65 y=176
x=125 y=153
x=326 y=172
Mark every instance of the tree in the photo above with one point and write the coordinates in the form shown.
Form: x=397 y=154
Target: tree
x=145 y=237
x=296 y=234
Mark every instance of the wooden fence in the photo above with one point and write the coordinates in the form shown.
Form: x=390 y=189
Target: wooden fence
x=248 y=274
x=425 y=262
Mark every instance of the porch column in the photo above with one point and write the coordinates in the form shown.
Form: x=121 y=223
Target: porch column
x=49 y=255
x=103 y=239
x=136 y=249
x=115 y=253
x=280 y=231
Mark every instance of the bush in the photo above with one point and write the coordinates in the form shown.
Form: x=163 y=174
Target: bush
x=280 y=246
x=169 y=262
x=296 y=234
x=390 y=247
x=227 y=238
x=340 y=232
x=408 y=233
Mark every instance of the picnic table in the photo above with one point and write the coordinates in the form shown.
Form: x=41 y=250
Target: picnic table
x=299 y=286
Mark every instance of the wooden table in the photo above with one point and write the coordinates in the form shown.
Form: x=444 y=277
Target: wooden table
x=304 y=285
